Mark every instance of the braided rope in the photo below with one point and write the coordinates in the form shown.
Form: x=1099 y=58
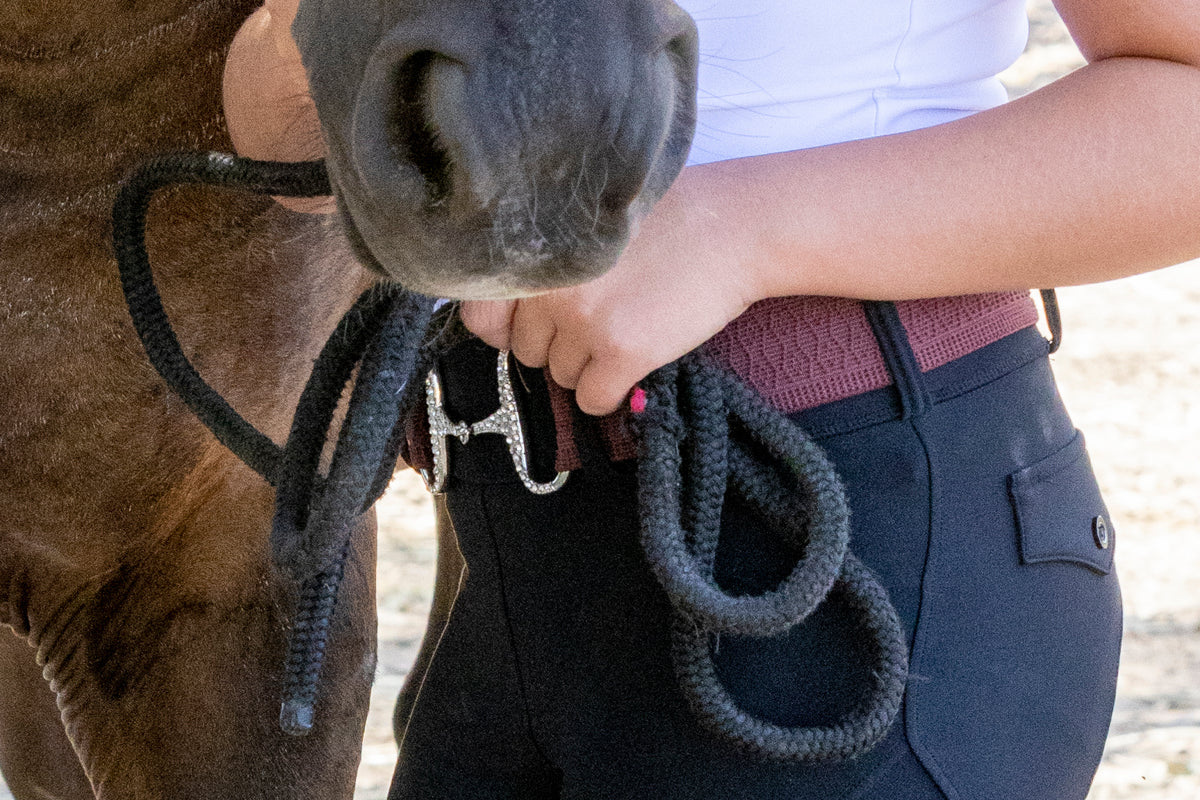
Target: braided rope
x=145 y=304
x=381 y=335
x=686 y=572
x=351 y=488
x=685 y=429
x=307 y=643
x=686 y=452
x=298 y=472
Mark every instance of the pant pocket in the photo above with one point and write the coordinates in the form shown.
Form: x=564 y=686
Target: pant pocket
x=1015 y=656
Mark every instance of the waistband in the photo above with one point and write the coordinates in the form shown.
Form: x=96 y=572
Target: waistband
x=803 y=352
x=916 y=354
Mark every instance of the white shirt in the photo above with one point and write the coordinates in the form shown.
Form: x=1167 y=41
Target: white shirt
x=780 y=75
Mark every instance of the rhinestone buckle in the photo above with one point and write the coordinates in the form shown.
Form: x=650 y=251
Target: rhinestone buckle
x=504 y=421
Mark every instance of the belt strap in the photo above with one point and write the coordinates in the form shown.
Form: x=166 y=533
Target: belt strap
x=906 y=339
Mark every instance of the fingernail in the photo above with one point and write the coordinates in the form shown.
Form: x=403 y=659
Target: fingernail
x=637 y=401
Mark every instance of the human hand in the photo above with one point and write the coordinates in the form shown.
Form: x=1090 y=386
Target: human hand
x=680 y=281
x=268 y=109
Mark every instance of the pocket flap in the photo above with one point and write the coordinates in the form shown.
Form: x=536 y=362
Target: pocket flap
x=1060 y=513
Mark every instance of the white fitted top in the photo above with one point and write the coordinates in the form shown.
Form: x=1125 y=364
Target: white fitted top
x=780 y=75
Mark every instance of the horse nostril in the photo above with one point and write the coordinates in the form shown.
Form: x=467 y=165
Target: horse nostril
x=410 y=128
x=682 y=50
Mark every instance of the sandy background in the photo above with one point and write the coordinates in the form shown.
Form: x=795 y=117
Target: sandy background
x=1130 y=372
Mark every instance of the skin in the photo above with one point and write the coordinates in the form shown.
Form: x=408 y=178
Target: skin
x=267 y=91
x=1082 y=181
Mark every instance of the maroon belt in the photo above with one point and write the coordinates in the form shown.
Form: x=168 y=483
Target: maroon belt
x=797 y=352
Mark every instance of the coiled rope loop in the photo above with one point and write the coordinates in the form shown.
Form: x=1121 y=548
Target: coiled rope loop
x=687 y=463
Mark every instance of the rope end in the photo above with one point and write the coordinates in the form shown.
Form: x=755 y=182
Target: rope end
x=296 y=717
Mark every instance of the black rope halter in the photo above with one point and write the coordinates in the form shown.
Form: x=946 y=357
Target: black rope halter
x=688 y=460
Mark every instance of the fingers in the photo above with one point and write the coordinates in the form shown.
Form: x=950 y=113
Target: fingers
x=545 y=333
x=524 y=328
x=532 y=333
x=490 y=320
x=567 y=361
x=601 y=375
x=603 y=386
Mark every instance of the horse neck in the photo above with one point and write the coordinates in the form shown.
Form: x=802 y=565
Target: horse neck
x=85 y=94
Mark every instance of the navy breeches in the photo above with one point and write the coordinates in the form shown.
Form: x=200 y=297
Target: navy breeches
x=972 y=499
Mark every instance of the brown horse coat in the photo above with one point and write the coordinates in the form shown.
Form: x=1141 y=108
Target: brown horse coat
x=133 y=562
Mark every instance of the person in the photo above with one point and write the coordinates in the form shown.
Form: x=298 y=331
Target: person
x=856 y=236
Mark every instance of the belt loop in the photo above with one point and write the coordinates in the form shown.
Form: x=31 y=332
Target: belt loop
x=898 y=357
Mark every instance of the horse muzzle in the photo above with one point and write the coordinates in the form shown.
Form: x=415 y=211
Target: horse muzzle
x=504 y=154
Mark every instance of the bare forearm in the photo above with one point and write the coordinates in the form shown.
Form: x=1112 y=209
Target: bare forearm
x=1094 y=177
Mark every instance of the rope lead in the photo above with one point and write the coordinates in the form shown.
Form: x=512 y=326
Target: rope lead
x=381 y=335
x=688 y=459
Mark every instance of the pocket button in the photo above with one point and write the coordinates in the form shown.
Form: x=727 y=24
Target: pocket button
x=1100 y=531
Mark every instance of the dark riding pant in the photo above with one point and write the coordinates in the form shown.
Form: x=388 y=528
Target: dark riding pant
x=972 y=499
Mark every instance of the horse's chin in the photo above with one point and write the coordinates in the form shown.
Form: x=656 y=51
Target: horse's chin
x=444 y=260
x=508 y=280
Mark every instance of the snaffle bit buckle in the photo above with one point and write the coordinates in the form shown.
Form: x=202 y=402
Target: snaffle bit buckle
x=505 y=421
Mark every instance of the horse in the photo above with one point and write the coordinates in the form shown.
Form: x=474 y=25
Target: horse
x=477 y=148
